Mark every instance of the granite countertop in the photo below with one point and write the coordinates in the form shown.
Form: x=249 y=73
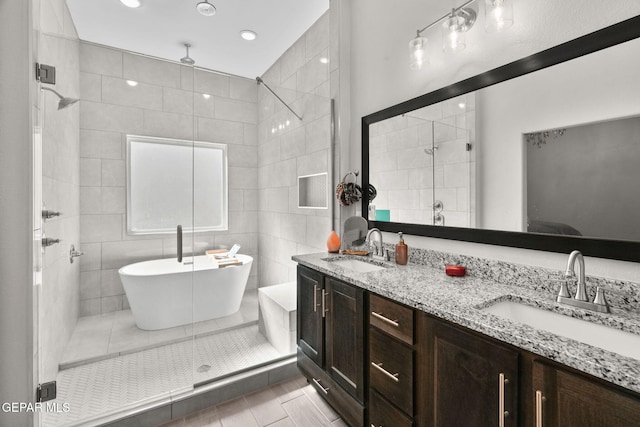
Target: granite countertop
x=460 y=300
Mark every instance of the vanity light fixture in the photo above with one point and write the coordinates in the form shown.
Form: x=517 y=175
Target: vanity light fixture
x=453 y=28
x=498 y=15
x=131 y=3
x=248 y=35
x=417 y=54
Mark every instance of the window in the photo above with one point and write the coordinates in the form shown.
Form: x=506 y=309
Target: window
x=171 y=182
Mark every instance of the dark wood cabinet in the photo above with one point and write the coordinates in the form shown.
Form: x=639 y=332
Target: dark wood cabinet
x=564 y=399
x=391 y=363
x=310 y=318
x=331 y=341
x=469 y=381
x=344 y=336
x=382 y=413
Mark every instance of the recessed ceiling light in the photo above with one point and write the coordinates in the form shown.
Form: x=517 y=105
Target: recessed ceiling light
x=132 y=83
x=131 y=3
x=324 y=60
x=205 y=8
x=248 y=35
x=206 y=96
x=462 y=105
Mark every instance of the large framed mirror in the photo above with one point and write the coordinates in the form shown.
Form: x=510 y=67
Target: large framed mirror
x=542 y=153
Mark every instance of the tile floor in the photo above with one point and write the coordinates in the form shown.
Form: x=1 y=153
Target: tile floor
x=108 y=386
x=109 y=335
x=288 y=404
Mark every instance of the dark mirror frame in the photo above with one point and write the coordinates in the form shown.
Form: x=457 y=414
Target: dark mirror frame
x=601 y=248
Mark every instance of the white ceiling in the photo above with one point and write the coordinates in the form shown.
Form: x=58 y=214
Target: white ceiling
x=161 y=27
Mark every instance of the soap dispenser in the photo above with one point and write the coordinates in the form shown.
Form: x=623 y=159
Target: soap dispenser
x=401 y=251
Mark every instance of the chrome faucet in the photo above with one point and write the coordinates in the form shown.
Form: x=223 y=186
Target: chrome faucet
x=581 y=292
x=378 y=251
x=581 y=299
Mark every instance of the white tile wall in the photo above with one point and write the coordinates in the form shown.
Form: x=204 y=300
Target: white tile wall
x=58 y=45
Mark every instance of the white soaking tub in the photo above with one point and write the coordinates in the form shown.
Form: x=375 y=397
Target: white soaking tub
x=164 y=293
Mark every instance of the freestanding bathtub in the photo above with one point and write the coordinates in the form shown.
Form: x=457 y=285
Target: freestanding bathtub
x=164 y=293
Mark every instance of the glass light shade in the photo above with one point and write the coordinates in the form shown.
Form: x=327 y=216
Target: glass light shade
x=453 y=37
x=498 y=15
x=417 y=54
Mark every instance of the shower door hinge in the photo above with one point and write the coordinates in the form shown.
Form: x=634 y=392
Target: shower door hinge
x=46 y=391
x=467 y=146
x=46 y=73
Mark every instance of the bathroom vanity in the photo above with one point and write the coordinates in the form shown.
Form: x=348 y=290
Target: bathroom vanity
x=409 y=346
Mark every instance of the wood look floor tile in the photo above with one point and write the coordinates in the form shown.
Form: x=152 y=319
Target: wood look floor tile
x=291 y=403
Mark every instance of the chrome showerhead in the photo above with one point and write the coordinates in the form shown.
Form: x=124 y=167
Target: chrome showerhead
x=187 y=59
x=64 y=101
x=205 y=8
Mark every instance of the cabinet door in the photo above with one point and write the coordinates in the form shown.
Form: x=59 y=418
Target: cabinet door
x=344 y=342
x=310 y=319
x=563 y=399
x=475 y=381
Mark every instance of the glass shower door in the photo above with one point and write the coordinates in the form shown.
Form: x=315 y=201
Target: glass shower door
x=114 y=326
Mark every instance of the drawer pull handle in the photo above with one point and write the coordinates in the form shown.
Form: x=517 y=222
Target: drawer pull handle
x=385 y=319
x=325 y=309
x=324 y=390
x=539 y=399
x=379 y=367
x=315 y=298
x=502 y=414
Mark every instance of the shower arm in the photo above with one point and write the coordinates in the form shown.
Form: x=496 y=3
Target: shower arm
x=260 y=81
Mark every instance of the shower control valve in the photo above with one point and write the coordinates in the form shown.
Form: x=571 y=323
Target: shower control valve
x=48 y=214
x=48 y=241
x=74 y=254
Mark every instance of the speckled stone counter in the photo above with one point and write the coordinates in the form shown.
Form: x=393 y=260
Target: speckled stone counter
x=460 y=300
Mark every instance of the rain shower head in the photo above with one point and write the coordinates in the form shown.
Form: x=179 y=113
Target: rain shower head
x=187 y=59
x=64 y=101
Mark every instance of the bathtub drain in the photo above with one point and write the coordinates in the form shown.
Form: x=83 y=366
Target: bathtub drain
x=203 y=368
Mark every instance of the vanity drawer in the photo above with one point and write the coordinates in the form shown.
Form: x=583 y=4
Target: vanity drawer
x=391 y=317
x=383 y=414
x=391 y=369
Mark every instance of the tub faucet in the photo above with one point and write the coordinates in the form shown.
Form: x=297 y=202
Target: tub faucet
x=378 y=251
x=581 y=299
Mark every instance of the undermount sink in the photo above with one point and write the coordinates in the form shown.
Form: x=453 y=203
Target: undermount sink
x=356 y=265
x=610 y=339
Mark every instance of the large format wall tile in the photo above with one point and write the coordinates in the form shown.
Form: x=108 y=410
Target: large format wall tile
x=171 y=101
x=148 y=70
x=100 y=60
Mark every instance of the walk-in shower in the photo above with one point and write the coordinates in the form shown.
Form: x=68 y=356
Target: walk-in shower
x=157 y=143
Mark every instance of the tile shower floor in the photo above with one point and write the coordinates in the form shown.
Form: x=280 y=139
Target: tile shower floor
x=111 y=385
x=109 y=335
x=110 y=364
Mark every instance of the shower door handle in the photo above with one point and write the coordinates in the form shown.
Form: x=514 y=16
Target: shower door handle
x=179 y=243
